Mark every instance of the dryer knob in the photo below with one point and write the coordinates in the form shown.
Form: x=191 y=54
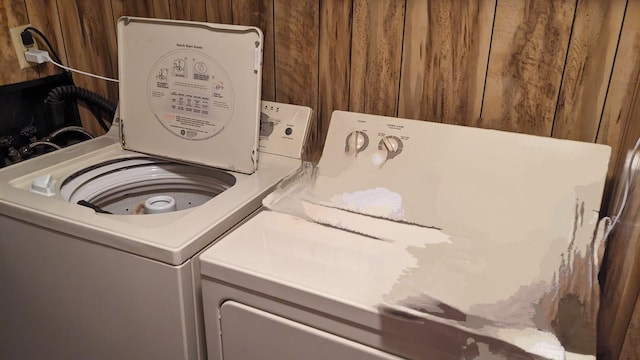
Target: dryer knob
x=392 y=145
x=356 y=142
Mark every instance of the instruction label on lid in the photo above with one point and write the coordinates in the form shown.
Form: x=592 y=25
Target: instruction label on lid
x=190 y=94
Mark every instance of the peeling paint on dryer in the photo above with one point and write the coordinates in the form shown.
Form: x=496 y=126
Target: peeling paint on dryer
x=519 y=214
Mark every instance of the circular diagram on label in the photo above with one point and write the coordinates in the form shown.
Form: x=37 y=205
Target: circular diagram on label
x=190 y=94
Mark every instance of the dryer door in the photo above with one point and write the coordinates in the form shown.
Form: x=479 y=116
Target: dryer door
x=249 y=333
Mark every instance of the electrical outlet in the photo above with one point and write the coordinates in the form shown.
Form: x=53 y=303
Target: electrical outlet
x=20 y=49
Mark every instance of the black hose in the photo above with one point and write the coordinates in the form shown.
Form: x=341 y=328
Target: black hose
x=62 y=93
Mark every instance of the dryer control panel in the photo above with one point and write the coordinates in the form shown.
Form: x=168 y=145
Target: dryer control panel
x=380 y=138
x=283 y=128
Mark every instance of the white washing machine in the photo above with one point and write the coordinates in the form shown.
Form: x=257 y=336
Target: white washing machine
x=185 y=161
x=416 y=240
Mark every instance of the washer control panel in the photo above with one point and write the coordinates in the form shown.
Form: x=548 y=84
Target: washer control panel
x=283 y=128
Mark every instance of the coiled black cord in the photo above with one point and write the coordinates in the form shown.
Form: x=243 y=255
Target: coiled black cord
x=62 y=93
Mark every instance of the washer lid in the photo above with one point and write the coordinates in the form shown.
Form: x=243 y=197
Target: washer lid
x=190 y=91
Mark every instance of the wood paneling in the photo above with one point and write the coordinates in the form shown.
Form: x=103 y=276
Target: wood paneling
x=626 y=71
x=296 y=51
x=622 y=258
x=588 y=67
x=219 y=11
x=622 y=280
x=142 y=8
x=335 y=62
x=528 y=50
x=194 y=10
x=12 y=14
x=631 y=345
x=43 y=15
x=90 y=41
x=296 y=27
x=260 y=13
x=376 y=50
x=444 y=62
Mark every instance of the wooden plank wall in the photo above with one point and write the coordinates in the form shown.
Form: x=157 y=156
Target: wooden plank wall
x=620 y=308
x=565 y=68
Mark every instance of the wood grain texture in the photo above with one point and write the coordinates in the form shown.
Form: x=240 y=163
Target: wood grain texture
x=528 y=49
x=142 y=8
x=588 y=67
x=376 y=51
x=617 y=107
x=219 y=11
x=335 y=63
x=194 y=10
x=12 y=13
x=296 y=49
x=622 y=277
x=43 y=15
x=622 y=258
x=296 y=28
x=631 y=346
x=444 y=62
x=90 y=40
x=260 y=13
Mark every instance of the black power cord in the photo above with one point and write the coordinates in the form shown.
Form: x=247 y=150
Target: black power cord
x=27 y=41
x=96 y=103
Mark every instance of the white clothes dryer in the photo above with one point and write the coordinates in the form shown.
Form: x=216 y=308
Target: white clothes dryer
x=184 y=162
x=416 y=240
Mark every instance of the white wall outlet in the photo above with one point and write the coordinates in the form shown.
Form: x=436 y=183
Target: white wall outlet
x=20 y=49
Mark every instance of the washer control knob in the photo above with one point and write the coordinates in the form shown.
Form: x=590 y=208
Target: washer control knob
x=356 y=142
x=392 y=145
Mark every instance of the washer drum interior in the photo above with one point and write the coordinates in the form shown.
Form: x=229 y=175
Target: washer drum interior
x=145 y=186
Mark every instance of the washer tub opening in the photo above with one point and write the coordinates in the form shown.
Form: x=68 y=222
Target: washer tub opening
x=123 y=186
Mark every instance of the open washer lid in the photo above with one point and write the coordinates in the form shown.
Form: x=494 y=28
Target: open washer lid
x=190 y=91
